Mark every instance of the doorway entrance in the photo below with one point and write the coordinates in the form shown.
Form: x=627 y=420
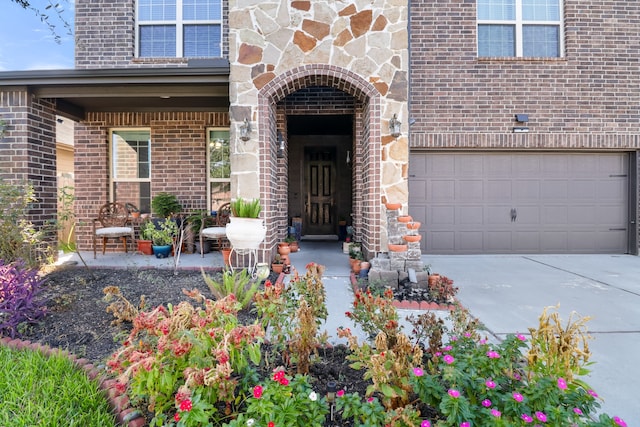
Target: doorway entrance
x=320 y=177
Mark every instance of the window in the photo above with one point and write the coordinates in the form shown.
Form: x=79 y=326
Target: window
x=519 y=28
x=179 y=28
x=219 y=166
x=131 y=167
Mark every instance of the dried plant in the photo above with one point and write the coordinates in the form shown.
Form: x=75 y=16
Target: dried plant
x=428 y=327
x=304 y=341
x=120 y=307
x=557 y=350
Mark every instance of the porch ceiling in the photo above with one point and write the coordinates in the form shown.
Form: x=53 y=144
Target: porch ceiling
x=138 y=89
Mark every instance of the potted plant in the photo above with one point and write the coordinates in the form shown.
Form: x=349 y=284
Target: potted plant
x=146 y=237
x=293 y=243
x=165 y=204
x=162 y=237
x=277 y=265
x=245 y=229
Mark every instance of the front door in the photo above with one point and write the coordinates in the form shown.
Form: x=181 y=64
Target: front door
x=320 y=190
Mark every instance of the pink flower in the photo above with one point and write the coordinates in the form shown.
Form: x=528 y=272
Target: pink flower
x=467 y=334
x=465 y=424
x=271 y=424
x=490 y=384
x=454 y=393
x=518 y=397
x=447 y=348
x=176 y=417
x=448 y=359
x=370 y=400
x=186 y=405
x=592 y=393
x=619 y=421
x=496 y=413
x=526 y=418
x=340 y=393
x=425 y=423
x=577 y=411
x=562 y=384
x=418 y=372
x=486 y=403
x=454 y=338
x=521 y=337
x=284 y=381
x=257 y=392
x=541 y=416
x=278 y=375
x=482 y=341
x=493 y=354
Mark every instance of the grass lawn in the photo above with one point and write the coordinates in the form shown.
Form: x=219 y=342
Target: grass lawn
x=38 y=390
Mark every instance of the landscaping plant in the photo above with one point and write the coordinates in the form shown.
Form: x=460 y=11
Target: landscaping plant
x=238 y=283
x=187 y=363
x=20 y=304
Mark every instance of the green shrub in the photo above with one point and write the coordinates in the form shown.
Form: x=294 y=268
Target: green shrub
x=242 y=208
x=238 y=283
x=20 y=240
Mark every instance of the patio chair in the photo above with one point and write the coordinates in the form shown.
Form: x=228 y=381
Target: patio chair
x=214 y=228
x=112 y=222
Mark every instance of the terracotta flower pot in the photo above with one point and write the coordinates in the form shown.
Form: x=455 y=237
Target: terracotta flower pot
x=277 y=268
x=413 y=225
x=397 y=248
x=294 y=246
x=405 y=219
x=433 y=279
x=284 y=249
x=144 y=247
x=226 y=256
x=411 y=238
x=393 y=206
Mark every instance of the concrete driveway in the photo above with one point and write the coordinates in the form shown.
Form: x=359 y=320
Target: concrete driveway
x=508 y=293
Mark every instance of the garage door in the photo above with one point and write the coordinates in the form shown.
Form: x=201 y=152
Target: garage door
x=520 y=202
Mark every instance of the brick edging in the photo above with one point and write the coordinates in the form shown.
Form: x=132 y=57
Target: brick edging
x=118 y=402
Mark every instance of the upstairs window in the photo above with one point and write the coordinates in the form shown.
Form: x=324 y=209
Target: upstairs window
x=520 y=28
x=179 y=28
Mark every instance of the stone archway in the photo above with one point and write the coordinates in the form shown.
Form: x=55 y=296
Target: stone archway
x=366 y=154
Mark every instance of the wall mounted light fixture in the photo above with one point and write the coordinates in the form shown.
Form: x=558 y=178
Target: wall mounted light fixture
x=394 y=126
x=245 y=130
x=522 y=120
x=280 y=141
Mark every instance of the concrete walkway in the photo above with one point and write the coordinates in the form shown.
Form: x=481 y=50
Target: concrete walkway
x=507 y=293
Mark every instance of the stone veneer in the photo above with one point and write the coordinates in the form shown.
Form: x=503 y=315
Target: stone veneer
x=279 y=47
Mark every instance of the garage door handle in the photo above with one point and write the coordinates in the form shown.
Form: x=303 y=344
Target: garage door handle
x=514 y=214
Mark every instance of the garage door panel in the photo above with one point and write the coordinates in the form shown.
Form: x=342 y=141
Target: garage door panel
x=470 y=241
x=565 y=202
x=498 y=190
x=498 y=242
x=553 y=189
x=442 y=191
x=440 y=215
x=441 y=241
x=555 y=215
x=470 y=190
x=470 y=215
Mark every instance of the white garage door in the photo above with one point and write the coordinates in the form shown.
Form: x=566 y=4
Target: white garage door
x=520 y=202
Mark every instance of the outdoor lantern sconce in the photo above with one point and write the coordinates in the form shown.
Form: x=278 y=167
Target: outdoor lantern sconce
x=245 y=130
x=522 y=119
x=280 y=145
x=394 y=126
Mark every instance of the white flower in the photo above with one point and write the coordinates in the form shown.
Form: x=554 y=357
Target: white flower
x=250 y=422
x=313 y=396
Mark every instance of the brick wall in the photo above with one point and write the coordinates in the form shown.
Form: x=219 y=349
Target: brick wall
x=178 y=159
x=462 y=101
x=105 y=34
x=28 y=153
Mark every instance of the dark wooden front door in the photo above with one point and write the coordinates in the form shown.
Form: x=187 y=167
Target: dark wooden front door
x=320 y=190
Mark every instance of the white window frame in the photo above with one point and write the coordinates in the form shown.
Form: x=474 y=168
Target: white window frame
x=210 y=180
x=179 y=23
x=519 y=23
x=112 y=179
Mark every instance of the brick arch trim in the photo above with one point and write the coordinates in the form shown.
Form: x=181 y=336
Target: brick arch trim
x=318 y=75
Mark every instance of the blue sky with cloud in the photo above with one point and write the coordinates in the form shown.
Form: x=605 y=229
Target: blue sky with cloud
x=26 y=43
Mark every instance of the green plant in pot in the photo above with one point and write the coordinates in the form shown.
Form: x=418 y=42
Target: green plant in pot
x=162 y=237
x=165 y=204
x=146 y=237
x=242 y=208
x=246 y=230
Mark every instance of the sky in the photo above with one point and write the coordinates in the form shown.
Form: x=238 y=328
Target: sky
x=26 y=43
